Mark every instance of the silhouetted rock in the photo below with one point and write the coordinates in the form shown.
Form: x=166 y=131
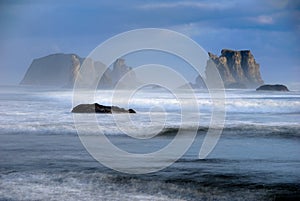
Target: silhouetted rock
x=53 y=70
x=61 y=70
x=96 y=108
x=275 y=87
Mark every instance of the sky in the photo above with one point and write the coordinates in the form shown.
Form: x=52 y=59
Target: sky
x=35 y=28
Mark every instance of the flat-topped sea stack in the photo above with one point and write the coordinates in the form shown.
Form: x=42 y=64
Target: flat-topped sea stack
x=274 y=87
x=53 y=70
x=97 y=108
x=238 y=69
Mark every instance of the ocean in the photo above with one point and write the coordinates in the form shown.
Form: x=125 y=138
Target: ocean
x=256 y=157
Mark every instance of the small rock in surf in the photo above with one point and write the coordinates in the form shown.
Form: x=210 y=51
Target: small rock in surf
x=97 y=108
x=275 y=87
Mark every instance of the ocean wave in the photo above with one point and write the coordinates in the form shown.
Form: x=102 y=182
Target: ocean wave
x=100 y=184
x=242 y=130
x=95 y=185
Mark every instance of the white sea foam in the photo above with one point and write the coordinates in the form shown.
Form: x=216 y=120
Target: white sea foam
x=91 y=186
x=28 y=110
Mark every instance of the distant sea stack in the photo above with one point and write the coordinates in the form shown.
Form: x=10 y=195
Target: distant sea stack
x=53 y=70
x=61 y=70
x=238 y=69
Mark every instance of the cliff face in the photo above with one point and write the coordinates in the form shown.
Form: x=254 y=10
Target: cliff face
x=61 y=70
x=119 y=70
x=53 y=70
x=238 y=69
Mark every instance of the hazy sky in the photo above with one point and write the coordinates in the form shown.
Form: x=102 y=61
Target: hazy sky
x=36 y=28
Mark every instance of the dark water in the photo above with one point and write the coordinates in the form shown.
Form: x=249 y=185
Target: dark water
x=57 y=167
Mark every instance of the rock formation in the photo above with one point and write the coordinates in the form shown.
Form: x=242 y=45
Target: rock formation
x=61 y=70
x=119 y=70
x=238 y=69
x=96 y=108
x=53 y=70
x=275 y=87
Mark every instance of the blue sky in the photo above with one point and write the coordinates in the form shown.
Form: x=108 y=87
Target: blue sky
x=36 y=28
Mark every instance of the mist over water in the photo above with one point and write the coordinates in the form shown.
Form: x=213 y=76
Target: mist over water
x=42 y=158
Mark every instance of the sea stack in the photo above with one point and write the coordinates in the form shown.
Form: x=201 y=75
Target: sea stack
x=61 y=70
x=53 y=70
x=238 y=69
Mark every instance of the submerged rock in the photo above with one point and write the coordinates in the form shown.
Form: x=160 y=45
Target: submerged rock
x=97 y=108
x=275 y=87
